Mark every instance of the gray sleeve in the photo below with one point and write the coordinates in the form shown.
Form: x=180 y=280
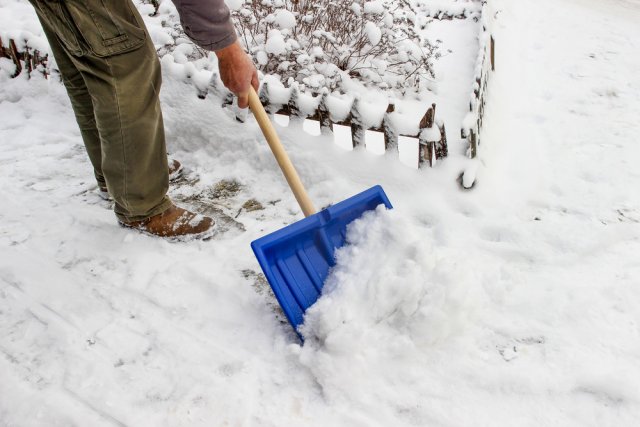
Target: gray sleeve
x=207 y=23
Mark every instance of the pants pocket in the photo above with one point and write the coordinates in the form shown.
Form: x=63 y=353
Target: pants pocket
x=109 y=27
x=56 y=16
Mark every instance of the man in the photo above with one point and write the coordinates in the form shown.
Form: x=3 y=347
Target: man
x=111 y=71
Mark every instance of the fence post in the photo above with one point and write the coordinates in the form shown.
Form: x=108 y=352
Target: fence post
x=293 y=102
x=13 y=51
x=357 y=129
x=323 y=112
x=264 y=95
x=390 y=136
x=443 y=146
x=427 y=148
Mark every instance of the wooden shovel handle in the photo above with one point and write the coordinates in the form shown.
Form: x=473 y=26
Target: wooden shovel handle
x=280 y=154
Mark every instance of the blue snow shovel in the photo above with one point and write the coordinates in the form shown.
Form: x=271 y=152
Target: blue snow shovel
x=297 y=258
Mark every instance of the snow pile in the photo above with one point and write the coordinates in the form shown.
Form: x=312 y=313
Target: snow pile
x=392 y=309
x=387 y=287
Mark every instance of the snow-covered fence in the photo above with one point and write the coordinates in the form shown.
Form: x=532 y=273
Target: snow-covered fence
x=354 y=122
x=23 y=56
x=485 y=65
x=351 y=120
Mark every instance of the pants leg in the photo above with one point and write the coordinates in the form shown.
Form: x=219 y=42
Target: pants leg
x=125 y=89
x=80 y=101
x=115 y=96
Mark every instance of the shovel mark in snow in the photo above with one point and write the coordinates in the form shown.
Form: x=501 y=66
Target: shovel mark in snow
x=609 y=397
x=262 y=288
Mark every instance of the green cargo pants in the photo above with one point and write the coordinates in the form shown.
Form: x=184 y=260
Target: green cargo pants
x=111 y=71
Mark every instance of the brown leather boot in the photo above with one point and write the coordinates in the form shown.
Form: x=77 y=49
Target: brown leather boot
x=175 y=223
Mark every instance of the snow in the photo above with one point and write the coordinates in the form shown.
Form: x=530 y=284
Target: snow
x=374 y=34
x=7 y=66
x=374 y=142
x=278 y=94
x=373 y=7
x=413 y=302
x=174 y=68
x=234 y=4
x=275 y=43
x=281 y=120
x=262 y=57
x=307 y=104
x=469 y=121
x=513 y=304
x=339 y=106
x=182 y=52
x=21 y=24
x=372 y=110
x=285 y=19
x=202 y=79
x=430 y=134
x=312 y=127
x=356 y=9
x=406 y=117
x=342 y=137
x=314 y=81
x=160 y=37
x=407 y=150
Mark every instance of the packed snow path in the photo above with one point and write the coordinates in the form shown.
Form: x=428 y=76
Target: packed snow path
x=513 y=304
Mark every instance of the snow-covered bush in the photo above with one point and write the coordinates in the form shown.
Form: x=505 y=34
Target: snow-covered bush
x=319 y=43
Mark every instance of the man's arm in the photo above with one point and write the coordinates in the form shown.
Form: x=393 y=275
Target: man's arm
x=208 y=24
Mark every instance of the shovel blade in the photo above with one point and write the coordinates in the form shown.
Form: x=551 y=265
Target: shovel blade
x=297 y=258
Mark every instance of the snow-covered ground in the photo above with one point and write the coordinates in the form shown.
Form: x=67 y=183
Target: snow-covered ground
x=515 y=304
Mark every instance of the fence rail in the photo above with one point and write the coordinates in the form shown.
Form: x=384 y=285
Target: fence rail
x=432 y=145
x=485 y=66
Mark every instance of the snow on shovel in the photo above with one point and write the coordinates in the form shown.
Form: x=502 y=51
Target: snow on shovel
x=297 y=258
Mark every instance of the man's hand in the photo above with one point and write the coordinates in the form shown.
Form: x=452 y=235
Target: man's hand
x=237 y=72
